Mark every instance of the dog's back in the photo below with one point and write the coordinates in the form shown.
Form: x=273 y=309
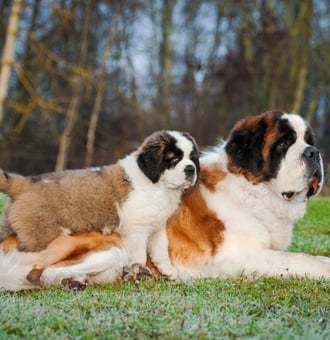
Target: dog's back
x=42 y=208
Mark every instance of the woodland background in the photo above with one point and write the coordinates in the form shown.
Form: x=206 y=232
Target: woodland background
x=90 y=79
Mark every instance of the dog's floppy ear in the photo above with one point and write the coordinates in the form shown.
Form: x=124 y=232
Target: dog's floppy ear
x=151 y=161
x=244 y=147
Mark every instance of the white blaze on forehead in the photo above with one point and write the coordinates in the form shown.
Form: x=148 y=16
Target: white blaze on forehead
x=183 y=143
x=298 y=124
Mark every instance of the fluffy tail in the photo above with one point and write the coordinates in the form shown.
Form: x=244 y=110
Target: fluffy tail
x=13 y=271
x=12 y=184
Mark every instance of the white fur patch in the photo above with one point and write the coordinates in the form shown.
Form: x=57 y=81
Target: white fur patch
x=14 y=268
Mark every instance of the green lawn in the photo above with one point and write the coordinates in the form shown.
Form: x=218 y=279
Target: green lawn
x=200 y=309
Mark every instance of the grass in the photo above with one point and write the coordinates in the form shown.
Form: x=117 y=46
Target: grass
x=312 y=234
x=263 y=308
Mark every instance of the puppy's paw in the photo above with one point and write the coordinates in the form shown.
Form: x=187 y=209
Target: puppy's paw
x=135 y=272
x=72 y=284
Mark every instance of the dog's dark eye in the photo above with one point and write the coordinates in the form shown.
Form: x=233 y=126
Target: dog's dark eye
x=309 y=138
x=283 y=145
x=285 y=142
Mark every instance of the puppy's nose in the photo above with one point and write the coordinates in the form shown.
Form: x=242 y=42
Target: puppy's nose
x=310 y=154
x=189 y=171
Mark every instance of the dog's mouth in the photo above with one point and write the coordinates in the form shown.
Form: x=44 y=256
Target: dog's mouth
x=182 y=186
x=314 y=184
x=189 y=183
x=313 y=187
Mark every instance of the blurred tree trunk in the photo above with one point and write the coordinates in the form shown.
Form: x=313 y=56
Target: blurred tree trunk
x=26 y=99
x=302 y=32
x=77 y=83
x=66 y=137
x=166 y=63
x=100 y=86
x=9 y=52
x=139 y=113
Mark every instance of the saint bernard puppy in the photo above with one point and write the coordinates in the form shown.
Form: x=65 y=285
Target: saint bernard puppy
x=238 y=219
x=134 y=197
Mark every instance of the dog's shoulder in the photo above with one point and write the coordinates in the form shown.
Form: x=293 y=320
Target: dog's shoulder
x=195 y=231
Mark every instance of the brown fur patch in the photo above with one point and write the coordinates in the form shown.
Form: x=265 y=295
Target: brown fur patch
x=271 y=136
x=12 y=184
x=9 y=244
x=210 y=176
x=71 y=249
x=251 y=125
x=67 y=202
x=194 y=231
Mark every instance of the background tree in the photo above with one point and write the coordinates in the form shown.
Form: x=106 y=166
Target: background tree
x=93 y=78
x=8 y=52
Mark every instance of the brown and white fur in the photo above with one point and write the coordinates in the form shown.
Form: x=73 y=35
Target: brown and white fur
x=237 y=221
x=134 y=197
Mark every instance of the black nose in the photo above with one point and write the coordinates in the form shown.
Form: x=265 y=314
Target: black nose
x=311 y=154
x=189 y=170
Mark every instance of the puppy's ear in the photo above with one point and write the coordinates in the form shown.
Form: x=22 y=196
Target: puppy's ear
x=244 y=147
x=150 y=161
x=194 y=156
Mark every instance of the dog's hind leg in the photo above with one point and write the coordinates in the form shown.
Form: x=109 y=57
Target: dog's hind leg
x=67 y=251
x=99 y=267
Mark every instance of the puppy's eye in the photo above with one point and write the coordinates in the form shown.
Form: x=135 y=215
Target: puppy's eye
x=194 y=157
x=174 y=160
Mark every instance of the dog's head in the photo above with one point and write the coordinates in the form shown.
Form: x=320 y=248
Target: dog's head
x=279 y=148
x=171 y=157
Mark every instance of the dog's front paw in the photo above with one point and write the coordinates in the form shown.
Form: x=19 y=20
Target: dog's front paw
x=135 y=272
x=34 y=276
x=167 y=272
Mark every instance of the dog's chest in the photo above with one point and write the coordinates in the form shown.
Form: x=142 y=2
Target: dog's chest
x=149 y=208
x=252 y=215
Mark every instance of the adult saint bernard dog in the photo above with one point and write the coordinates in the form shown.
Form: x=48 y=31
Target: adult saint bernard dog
x=238 y=220
x=133 y=197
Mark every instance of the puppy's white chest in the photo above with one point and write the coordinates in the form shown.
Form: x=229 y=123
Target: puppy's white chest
x=148 y=209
